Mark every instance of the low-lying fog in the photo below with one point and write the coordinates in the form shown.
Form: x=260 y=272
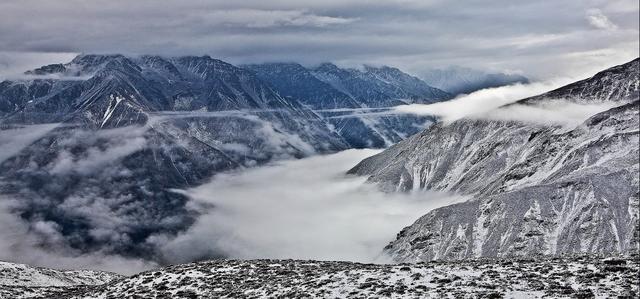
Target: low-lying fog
x=300 y=209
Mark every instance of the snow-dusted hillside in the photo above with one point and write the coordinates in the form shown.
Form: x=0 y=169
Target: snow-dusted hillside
x=23 y=281
x=538 y=189
x=510 y=278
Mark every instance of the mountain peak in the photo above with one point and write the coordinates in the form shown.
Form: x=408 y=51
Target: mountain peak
x=95 y=59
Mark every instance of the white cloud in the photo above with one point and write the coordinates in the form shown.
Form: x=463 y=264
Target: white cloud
x=598 y=20
x=493 y=104
x=481 y=101
x=305 y=209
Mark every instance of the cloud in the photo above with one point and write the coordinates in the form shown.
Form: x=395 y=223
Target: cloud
x=255 y=18
x=23 y=242
x=13 y=64
x=305 y=209
x=598 y=20
x=14 y=139
x=531 y=38
x=481 y=101
x=102 y=148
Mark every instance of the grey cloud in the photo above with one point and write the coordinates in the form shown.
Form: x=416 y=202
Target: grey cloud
x=24 y=242
x=413 y=35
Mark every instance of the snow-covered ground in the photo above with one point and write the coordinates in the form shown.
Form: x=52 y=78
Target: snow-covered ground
x=576 y=277
x=23 y=281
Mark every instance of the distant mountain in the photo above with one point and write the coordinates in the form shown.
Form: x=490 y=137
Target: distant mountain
x=331 y=87
x=537 y=189
x=460 y=80
x=379 y=86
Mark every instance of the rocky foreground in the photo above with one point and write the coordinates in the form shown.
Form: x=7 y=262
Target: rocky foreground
x=575 y=277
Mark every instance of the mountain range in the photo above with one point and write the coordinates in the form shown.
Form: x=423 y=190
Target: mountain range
x=116 y=135
x=537 y=189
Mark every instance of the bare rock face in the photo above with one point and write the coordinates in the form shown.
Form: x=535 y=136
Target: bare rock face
x=536 y=189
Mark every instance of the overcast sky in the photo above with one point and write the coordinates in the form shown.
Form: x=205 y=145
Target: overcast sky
x=541 y=39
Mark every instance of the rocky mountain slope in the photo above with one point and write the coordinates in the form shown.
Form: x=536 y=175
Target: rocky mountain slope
x=327 y=88
x=582 y=277
x=538 y=189
x=460 y=80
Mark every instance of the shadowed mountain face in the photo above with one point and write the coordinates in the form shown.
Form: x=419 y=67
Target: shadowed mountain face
x=129 y=131
x=538 y=189
x=459 y=80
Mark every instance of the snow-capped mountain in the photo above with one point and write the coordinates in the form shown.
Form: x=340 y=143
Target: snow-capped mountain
x=460 y=80
x=537 y=189
x=328 y=87
x=511 y=278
